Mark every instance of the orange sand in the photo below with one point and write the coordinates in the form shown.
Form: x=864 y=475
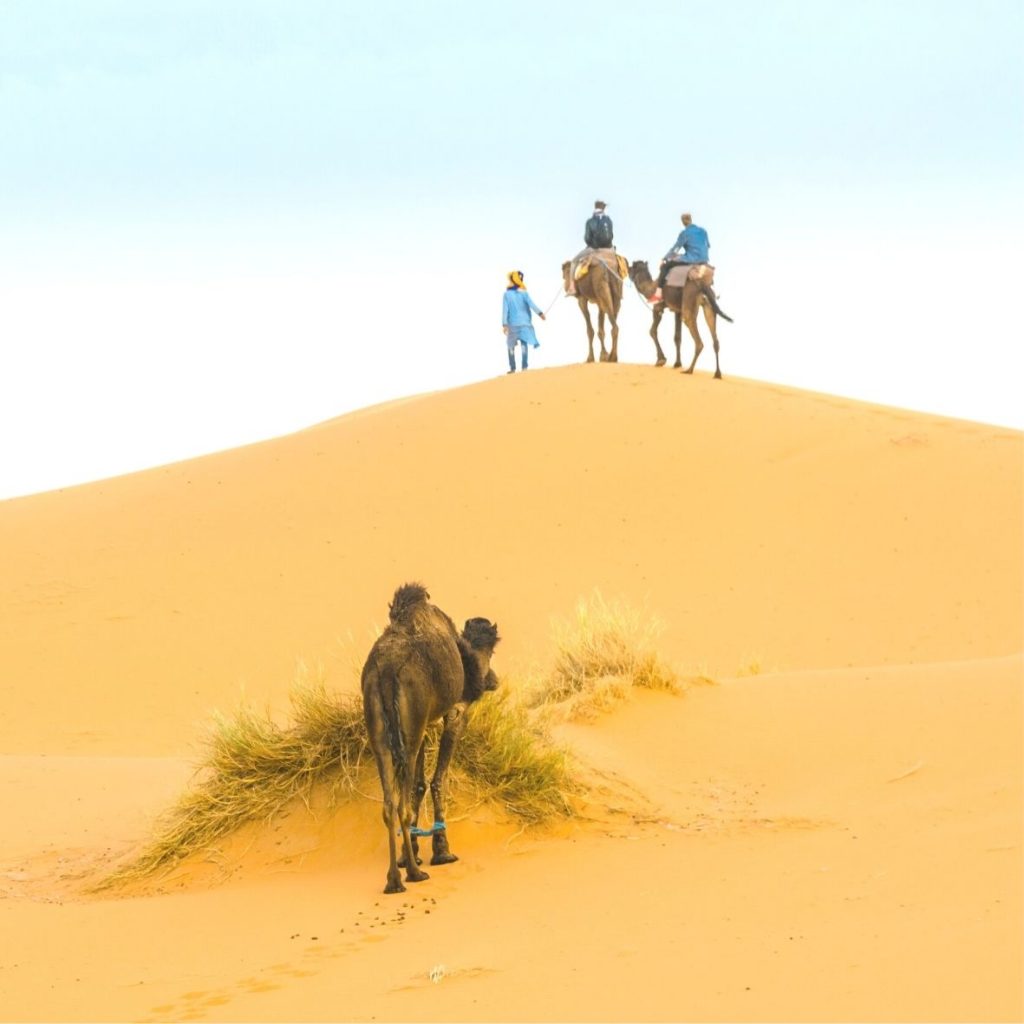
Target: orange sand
x=835 y=829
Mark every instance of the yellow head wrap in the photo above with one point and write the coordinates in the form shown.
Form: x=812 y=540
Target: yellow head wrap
x=515 y=279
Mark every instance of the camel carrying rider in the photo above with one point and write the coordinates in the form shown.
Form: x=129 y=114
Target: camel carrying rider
x=694 y=245
x=598 y=233
x=517 y=321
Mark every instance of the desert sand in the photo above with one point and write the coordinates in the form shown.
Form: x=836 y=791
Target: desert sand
x=831 y=831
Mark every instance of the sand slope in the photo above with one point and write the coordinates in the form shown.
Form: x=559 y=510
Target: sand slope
x=832 y=832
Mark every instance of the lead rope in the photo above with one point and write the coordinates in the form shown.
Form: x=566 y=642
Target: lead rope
x=553 y=301
x=640 y=295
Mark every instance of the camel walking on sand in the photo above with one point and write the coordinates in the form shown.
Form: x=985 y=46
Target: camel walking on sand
x=420 y=669
x=603 y=288
x=684 y=302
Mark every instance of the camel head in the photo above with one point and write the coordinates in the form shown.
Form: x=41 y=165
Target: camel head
x=639 y=268
x=640 y=275
x=477 y=643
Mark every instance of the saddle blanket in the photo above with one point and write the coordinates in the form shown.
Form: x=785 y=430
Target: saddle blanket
x=609 y=257
x=678 y=276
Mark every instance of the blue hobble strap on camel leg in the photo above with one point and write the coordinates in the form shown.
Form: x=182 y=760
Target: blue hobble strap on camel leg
x=437 y=827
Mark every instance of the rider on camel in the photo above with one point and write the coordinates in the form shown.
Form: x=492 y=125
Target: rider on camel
x=693 y=241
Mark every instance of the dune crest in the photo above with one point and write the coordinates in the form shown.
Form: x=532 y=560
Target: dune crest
x=832 y=832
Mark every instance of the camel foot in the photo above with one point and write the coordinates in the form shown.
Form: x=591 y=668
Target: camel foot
x=394 y=885
x=401 y=860
x=604 y=357
x=677 y=366
x=444 y=858
x=661 y=362
x=690 y=370
x=590 y=359
x=415 y=875
x=718 y=374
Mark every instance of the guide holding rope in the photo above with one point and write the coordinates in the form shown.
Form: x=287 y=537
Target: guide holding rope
x=517 y=320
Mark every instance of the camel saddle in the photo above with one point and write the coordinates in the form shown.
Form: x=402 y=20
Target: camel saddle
x=678 y=276
x=608 y=257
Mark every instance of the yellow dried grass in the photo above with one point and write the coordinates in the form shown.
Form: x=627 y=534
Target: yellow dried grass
x=251 y=768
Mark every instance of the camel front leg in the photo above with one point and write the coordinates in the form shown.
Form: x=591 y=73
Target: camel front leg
x=590 y=328
x=659 y=311
x=454 y=726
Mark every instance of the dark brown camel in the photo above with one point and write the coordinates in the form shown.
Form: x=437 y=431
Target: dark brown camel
x=420 y=669
x=602 y=287
x=684 y=302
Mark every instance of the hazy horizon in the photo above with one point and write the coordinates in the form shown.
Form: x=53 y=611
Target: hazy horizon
x=202 y=206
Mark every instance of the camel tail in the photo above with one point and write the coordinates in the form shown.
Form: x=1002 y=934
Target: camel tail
x=388 y=689
x=407 y=599
x=710 y=296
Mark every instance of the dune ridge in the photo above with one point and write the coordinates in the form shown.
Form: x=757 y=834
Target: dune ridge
x=832 y=832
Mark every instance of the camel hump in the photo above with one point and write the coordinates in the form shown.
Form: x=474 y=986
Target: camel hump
x=408 y=598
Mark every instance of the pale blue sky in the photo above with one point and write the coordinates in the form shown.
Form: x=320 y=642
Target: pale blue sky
x=200 y=202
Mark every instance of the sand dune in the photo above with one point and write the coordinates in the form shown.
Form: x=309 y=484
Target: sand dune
x=832 y=832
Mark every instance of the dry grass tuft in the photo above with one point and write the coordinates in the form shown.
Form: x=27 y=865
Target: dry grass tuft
x=252 y=768
x=508 y=758
x=601 y=654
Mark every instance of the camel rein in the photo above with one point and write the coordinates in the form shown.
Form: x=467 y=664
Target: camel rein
x=626 y=280
x=643 y=298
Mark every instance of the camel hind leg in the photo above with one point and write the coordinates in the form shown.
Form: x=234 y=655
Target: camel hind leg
x=590 y=328
x=379 y=735
x=711 y=319
x=606 y=310
x=396 y=734
x=678 y=339
x=388 y=813
x=406 y=805
x=614 y=318
x=688 y=314
x=417 y=800
x=698 y=345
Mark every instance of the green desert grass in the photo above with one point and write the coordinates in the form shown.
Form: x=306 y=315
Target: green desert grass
x=251 y=768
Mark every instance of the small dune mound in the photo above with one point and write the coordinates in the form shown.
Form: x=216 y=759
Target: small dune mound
x=604 y=651
x=252 y=768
